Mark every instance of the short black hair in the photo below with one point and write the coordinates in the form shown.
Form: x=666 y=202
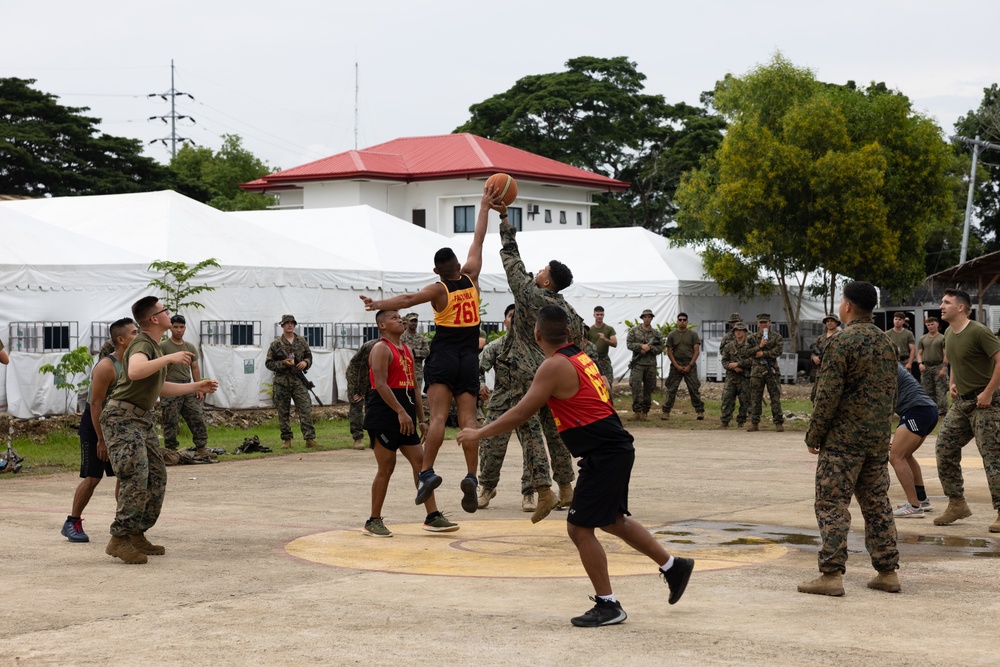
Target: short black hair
x=960 y=295
x=381 y=315
x=562 y=277
x=178 y=318
x=119 y=327
x=682 y=315
x=506 y=311
x=861 y=294
x=144 y=307
x=443 y=257
x=553 y=322
x=598 y=309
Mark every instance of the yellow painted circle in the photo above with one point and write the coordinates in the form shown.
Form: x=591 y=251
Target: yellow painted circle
x=517 y=549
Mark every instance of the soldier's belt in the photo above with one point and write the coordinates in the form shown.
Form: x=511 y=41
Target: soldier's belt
x=974 y=394
x=129 y=407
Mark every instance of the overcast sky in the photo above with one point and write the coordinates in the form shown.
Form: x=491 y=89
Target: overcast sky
x=282 y=74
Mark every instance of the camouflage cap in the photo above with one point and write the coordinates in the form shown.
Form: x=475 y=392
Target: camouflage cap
x=740 y=326
x=735 y=317
x=764 y=317
x=288 y=318
x=647 y=312
x=410 y=316
x=833 y=317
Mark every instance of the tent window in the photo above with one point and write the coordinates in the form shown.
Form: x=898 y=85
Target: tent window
x=230 y=332
x=99 y=335
x=548 y=215
x=43 y=336
x=465 y=219
x=515 y=217
x=352 y=335
x=579 y=218
x=318 y=334
x=242 y=334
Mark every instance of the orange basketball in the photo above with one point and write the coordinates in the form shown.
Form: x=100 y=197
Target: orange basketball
x=505 y=186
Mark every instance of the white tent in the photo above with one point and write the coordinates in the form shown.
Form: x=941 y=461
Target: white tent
x=84 y=260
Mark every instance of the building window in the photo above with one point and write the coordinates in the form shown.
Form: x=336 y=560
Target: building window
x=420 y=217
x=562 y=217
x=42 y=336
x=465 y=219
x=579 y=218
x=99 y=335
x=548 y=215
x=352 y=335
x=319 y=335
x=230 y=332
x=242 y=333
x=515 y=217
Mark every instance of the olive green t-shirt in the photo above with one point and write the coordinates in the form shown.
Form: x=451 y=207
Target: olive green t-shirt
x=970 y=355
x=933 y=348
x=683 y=344
x=178 y=372
x=601 y=345
x=902 y=341
x=140 y=393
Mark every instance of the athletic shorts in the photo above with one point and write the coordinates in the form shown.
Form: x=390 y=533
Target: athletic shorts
x=393 y=440
x=920 y=420
x=90 y=465
x=601 y=491
x=458 y=369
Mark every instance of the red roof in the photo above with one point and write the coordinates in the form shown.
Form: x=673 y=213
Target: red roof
x=436 y=158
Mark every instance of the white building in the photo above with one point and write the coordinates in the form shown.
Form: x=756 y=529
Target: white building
x=437 y=183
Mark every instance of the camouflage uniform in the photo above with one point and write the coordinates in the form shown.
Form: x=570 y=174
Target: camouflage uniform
x=525 y=356
x=765 y=374
x=851 y=428
x=172 y=408
x=358 y=384
x=288 y=387
x=134 y=451
x=642 y=379
x=493 y=450
x=818 y=348
x=737 y=384
x=420 y=347
x=674 y=376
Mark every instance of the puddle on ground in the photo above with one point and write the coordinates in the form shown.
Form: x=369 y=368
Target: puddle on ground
x=975 y=542
x=796 y=538
x=736 y=530
x=674 y=532
x=681 y=541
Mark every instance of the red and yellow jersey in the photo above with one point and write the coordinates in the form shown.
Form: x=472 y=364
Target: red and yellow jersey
x=400 y=371
x=458 y=323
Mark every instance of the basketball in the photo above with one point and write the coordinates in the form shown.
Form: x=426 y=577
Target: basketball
x=505 y=186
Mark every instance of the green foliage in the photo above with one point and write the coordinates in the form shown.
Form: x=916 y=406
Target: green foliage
x=984 y=122
x=50 y=150
x=176 y=282
x=595 y=115
x=72 y=364
x=214 y=177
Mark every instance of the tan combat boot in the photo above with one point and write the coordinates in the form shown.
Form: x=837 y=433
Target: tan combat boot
x=485 y=496
x=121 y=547
x=565 y=496
x=724 y=424
x=144 y=546
x=665 y=416
x=359 y=444
x=547 y=501
x=528 y=502
x=286 y=444
x=957 y=509
x=825 y=584
x=779 y=428
x=885 y=581
x=753 y=428
x=311 y=443
x=995 y=526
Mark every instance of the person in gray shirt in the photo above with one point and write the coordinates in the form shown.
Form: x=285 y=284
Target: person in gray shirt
x=918 y=415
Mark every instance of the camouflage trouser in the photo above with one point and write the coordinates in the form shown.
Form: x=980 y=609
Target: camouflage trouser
x=492 y=451
x=757 y=384
x=692 y=382
x=865 y=475
x=356 y=417
x=541 y=468
x=964 y=422
x=604 y=365
x=936 y=387
x=737 y=386
x=642 y=381
x=562 y=460
x=188 y=407
x=134 y=450
x=297 y=392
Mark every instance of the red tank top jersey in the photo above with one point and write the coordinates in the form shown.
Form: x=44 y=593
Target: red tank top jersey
x=400 y=371
x=591 y=402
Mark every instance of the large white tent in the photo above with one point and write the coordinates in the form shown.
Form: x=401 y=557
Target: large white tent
x=85 y=259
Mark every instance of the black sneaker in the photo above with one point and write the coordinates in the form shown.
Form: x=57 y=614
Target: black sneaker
x=469 y=501
x=603 y=613
x=73 y=530
x=677 y=577
x=425 y=487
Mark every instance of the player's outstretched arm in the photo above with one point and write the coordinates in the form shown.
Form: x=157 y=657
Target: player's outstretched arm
x=542 y=387
x=404 y=301
x=474 y=262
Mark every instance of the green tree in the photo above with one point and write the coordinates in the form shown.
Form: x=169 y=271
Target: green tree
x=984 y=122
x=71 y=365
x=176 y=282
x=47 y=149
x=596 y=116
x=214 y=177
x=816 y=178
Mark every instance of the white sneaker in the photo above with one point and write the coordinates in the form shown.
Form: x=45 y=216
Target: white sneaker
x=908 y=511
x=925 y=505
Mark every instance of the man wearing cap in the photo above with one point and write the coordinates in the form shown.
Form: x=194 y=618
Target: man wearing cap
x=683 y=348
x=604 y=337
x=730 y=327
x=906 y=343
x=932 y=360
x=737 y=359
x=188 y=406
x=646 y=344
x=832 y=325
x=768 y=346
x=418 y=346
x=289 y=355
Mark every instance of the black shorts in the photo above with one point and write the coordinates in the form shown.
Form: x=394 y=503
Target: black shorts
x=393 y=440
x=920 y=420
x=458 y=369
x=90 y=465
x=601 y=492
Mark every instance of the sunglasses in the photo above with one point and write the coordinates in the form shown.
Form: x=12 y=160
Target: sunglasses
x=159 y=312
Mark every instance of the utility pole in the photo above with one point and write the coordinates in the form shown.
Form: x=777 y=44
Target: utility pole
x=173 y=116
x=977 y=147
x=355 y=105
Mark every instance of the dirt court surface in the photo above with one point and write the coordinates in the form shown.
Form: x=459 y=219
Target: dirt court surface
x=265 y=564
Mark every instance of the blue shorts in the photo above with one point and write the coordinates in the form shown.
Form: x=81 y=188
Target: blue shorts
x=920 y=420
